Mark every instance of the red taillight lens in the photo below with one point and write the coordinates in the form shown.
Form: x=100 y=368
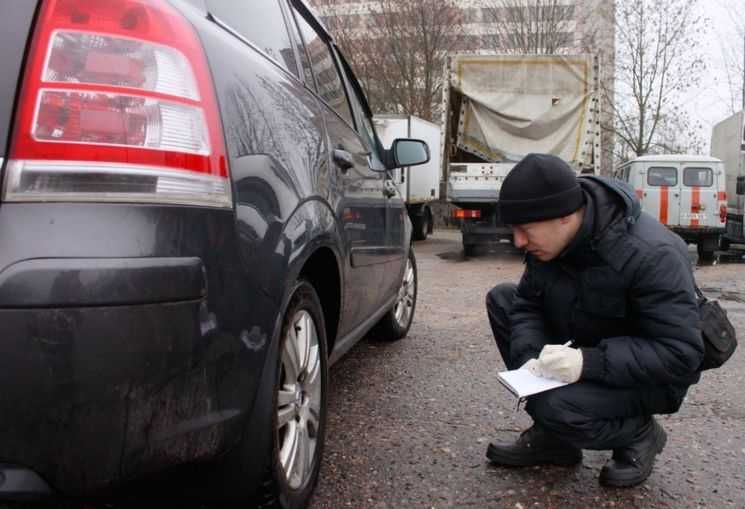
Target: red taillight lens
x=467 y=213
x=723 y=213
x=117 y=105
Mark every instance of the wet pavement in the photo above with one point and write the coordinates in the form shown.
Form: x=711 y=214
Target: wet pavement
x=409 y=421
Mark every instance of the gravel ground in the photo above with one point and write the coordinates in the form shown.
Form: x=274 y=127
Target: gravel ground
x=409 y=422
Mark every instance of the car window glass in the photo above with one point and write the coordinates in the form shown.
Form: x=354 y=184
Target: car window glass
x=303 y=53
x=661 y=176
x=698 y=177
x=367 y=131
x=330 y=86
x=365 y=128
x=261 y=22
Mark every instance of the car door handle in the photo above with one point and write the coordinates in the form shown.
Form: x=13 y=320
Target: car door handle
x=389 y=189
x=343 y=159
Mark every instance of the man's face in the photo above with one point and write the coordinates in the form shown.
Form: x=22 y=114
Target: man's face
x=545 y=239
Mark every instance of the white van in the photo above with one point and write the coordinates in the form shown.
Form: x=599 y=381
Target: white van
x=684 y=192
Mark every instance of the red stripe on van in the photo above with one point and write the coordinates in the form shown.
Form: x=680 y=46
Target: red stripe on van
x=695 y=204
x=663 y=204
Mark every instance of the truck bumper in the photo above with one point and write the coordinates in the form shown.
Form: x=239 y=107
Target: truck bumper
x=483 y=232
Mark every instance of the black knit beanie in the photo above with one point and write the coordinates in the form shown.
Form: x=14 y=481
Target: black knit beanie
x=539 y=187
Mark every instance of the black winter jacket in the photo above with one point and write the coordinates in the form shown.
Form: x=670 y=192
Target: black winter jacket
x=623 y=290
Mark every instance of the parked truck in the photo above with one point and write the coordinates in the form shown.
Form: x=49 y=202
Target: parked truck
x=421 y=187
x=498 y=108
x=728 y=144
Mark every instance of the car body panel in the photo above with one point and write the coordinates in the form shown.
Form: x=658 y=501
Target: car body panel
x=135 y=338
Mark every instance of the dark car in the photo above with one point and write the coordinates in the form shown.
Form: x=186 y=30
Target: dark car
x=196 y=221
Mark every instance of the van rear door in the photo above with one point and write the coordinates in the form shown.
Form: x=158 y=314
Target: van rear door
x=661 y=192
x=699 y=196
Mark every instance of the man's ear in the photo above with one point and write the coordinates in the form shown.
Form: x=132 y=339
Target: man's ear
x=567 y=219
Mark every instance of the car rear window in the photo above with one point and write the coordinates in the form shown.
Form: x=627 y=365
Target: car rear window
x=698 y=177
x=261 y=22
x=662 y=176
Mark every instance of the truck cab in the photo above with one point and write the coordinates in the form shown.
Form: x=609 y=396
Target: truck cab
x=686 y=193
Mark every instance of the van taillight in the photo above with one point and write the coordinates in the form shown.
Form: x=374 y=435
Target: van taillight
x=723 y=213
x=117 y=105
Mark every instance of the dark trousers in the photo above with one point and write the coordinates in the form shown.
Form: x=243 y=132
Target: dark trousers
x=585 y=414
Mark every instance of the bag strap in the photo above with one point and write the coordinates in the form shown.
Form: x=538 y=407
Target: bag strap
x=699 y=293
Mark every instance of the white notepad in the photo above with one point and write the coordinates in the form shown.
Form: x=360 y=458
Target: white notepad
x=522 y=383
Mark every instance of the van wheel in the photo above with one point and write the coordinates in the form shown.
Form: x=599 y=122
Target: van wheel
x=469 y=250
x=299 y=410
x=705 y=256
x=396 y=322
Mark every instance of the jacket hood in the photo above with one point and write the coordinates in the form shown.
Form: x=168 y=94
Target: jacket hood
x=606 y=193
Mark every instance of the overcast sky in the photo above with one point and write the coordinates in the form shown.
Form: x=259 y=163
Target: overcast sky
x=709 y=103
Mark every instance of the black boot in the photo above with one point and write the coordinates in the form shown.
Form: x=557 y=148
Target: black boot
x=534 y=447
x=632 y=464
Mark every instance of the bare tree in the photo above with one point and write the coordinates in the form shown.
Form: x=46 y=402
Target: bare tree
x=530 y=26
x=398 y=51
x=731 y=41
x=657 y=61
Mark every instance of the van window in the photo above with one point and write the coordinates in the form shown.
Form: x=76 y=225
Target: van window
x=261 y=22
x=659 y=176
x=330 y=86
x=698 y=177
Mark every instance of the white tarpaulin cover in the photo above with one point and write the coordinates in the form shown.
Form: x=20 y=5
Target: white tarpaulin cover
x=514 y=105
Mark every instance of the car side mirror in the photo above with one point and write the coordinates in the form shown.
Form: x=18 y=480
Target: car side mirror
x=740 y=189
x=409 y=152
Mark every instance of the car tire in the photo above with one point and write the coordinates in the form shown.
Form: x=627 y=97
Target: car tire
x=395 y=324
x=469 y=250
x=420 y=226
x=299 y=409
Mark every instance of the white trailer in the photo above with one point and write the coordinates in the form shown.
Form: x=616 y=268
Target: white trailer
x=728 y=144
x=497 y=109
x=420 y=186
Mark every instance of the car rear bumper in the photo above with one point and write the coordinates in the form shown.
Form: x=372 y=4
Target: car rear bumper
x=107 y=380
x=109 y=369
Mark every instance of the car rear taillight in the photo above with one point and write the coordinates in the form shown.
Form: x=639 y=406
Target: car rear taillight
x=723 y=213
x=117 y=105
x=467 y=214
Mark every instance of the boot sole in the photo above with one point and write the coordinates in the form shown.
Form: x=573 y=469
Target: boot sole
x=504 y=458
x=633 y=480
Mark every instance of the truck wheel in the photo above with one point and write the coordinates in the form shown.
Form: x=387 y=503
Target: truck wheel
x=396 y=322
x=420 y=225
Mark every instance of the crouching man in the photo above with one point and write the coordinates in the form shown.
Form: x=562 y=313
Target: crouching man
x=618 y=284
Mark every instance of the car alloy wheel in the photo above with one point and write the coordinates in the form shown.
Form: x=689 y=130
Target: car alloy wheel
x=299 y=400
x=404 y=306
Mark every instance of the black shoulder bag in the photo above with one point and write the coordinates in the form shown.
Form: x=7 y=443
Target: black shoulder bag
x=720 y=340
